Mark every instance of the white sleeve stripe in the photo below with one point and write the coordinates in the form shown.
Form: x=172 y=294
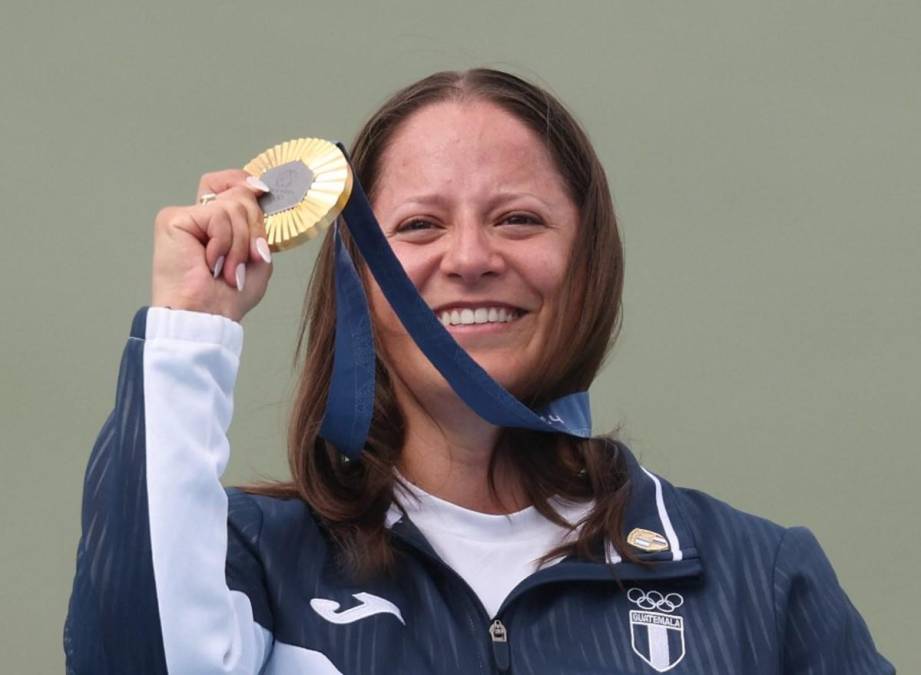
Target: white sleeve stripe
x=190 y=368
x=666 y=521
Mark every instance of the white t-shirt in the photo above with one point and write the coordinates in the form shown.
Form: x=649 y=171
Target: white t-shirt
x=492 y=553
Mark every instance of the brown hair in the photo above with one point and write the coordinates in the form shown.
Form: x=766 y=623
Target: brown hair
x=351 y=498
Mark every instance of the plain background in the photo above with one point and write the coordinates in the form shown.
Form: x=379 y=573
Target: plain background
x=764 y=159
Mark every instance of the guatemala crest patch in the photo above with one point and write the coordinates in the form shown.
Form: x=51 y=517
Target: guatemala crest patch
x=656 y=634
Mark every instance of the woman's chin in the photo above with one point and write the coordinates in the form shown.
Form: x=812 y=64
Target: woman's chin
x=503 y=372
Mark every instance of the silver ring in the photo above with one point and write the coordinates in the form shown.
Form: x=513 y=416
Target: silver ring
x=207 y=197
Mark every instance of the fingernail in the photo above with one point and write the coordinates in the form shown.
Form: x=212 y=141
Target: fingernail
x=218 y=266
x=263 y=247
x=254 y=182
x=241 y=276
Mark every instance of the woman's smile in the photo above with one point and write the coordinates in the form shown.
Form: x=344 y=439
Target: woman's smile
x=473 y=326
x=480 y=316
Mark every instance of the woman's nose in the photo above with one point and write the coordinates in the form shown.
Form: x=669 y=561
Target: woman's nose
x=471 y=253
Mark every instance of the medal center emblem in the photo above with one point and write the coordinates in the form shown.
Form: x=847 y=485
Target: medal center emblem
x=289 y=183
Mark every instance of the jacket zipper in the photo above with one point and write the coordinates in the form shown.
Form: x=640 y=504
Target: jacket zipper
x=500 y=648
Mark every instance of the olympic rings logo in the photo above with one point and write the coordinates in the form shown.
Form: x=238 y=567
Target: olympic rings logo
x=650 y=600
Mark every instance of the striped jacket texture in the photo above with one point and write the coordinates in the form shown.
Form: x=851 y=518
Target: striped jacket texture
x=175 y=573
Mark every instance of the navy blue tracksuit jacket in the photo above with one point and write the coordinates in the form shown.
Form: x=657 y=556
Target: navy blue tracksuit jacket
x=176 y=574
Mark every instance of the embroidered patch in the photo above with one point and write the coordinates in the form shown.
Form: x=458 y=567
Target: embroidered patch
x=656 y=634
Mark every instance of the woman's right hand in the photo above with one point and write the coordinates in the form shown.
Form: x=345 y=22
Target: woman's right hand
x=213 y=257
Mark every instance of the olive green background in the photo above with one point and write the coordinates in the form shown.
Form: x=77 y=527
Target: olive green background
x=765 y=164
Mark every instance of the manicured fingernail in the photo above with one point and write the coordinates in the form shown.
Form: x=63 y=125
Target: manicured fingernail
x=218 y=266
x=254 y=182
x=241 y=276
x=263 y=247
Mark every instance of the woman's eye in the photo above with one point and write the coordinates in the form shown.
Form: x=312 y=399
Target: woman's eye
x=521 y=219
x=414 y=225
x=419 y=225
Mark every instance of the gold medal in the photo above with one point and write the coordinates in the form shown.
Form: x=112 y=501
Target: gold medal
x=310 y=181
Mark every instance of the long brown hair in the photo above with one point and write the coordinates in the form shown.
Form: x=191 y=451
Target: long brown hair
x=351 y=498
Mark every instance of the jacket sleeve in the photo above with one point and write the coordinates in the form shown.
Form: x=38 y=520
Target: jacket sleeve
x=820 y=630
x=150 y=593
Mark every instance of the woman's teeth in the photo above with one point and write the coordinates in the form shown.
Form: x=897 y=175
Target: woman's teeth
x=466 y=317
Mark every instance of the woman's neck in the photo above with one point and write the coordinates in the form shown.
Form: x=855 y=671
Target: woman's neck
x=447 y=452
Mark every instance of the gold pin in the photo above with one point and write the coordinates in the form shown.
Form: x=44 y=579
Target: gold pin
x=646 y=540
x=310 y=183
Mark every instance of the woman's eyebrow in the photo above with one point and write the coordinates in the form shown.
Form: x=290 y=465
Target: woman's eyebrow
x=502 y=197
x=432 y=199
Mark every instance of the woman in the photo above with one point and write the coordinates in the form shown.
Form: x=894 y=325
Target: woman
x=452 y=545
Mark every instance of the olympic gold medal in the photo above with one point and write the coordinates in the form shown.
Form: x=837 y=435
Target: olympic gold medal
x=310 y=182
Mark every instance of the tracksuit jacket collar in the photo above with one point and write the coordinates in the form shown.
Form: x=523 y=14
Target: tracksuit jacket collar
x=653 y=505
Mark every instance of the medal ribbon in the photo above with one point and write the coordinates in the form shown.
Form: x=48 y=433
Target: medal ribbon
x=350 y=402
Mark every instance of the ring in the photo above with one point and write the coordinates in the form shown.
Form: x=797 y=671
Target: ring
x=207 y=197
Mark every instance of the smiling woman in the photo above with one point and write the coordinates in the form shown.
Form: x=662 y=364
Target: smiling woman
x=491 y=196
x=452 y=545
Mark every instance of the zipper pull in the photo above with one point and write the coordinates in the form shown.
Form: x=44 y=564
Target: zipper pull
x=500 y=649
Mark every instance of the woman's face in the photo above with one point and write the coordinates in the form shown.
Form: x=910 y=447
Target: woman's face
x=479 y=217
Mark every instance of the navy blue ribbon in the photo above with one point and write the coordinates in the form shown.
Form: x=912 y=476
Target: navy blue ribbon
x=351 y=393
